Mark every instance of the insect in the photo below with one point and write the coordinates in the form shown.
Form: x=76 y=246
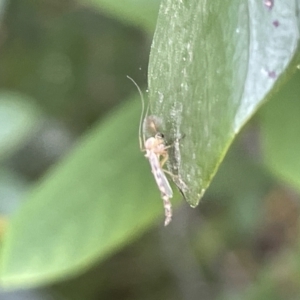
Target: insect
x=157 y=154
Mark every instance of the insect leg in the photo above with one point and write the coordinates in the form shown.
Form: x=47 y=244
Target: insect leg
x=163 y=161
x=165 y=156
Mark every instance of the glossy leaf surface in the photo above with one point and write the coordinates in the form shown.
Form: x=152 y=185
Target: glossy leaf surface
x=212 y=65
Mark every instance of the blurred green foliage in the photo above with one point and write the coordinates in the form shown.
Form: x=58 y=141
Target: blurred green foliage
x=78 y=199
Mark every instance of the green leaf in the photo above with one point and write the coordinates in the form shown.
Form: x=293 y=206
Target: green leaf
x=212 y=64
x=280 y=132
x=140 y=13
x=18 y=117
x=98 y=199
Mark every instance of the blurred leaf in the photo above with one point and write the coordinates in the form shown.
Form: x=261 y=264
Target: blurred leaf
x=276 y=280
x=94 y=202
x=241 y=183
x=280 y=132
x=12 y=190
x=18 y=117
x=28 y=295
x=140 y=13
x=3 y=4
x=212 y=64
x=60 y=55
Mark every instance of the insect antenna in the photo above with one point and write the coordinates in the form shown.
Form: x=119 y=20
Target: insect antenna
x=141 y=133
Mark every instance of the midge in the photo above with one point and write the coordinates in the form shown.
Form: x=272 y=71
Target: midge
x=156 y=153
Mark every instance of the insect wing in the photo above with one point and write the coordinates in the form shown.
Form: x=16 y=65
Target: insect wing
x=164 y=187
x=160 y=177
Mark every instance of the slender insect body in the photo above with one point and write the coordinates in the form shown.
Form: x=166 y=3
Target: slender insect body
x=156 y=153
x=155 y=149
x=162 y=183
x=158 y=174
